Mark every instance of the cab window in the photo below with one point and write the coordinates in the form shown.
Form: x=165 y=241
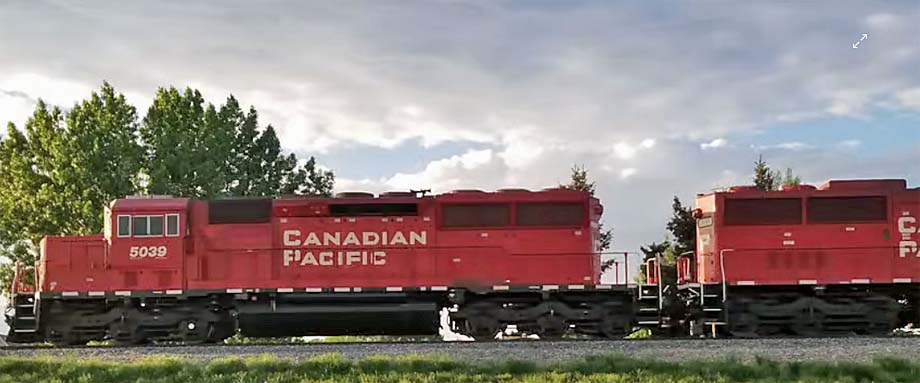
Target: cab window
x=124 y=226
x=147 y=225
x=172 y=225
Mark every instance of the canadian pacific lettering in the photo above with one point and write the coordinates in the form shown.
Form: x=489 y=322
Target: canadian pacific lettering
x=312 y=248
x=907 y=226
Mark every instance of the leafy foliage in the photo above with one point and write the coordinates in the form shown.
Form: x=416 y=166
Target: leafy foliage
x=61 y=169
x=767 y=179
x=580 y=181
x=195 y=149
x=681 y=239
x=790 y=179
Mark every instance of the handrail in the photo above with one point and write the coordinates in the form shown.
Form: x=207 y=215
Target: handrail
x=660 y=291
x=722 y=271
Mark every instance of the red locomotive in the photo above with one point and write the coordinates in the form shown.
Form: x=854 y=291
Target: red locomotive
x=199 y=271
x=840 y=258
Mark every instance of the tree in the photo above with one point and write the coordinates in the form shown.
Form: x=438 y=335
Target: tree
x=194 y=149
x=61 y=170
x=681 y=238
x=581 y=182
x=765 y=179
x=682 y=227
x=791 y=180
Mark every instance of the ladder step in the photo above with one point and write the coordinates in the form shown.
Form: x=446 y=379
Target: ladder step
x=26 y=318
x=648 y=309
x=24 y=330
x=649 y=297
x=648 y=322
x=710 y=295
x=714 y=323
x=712 y=309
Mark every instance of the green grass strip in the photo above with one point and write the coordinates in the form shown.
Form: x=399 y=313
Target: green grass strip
x=415 y=368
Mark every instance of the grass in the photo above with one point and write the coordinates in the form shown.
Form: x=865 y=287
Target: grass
x=335 y=368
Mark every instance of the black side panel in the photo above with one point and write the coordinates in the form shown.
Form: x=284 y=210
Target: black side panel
x=239 y=211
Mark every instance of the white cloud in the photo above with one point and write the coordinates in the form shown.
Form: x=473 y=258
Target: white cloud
x=714 y=144
x=909 y=98
x=881 y=20
x=330 y=78
x=628 y=172
x=445 y=174
x=849 y=144
x=522 y=147
x=14 y=107
x=624 y=150
x=521 y=79
x=795 y=146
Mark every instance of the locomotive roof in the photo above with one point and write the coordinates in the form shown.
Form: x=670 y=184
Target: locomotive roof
x=832 y=186
x=152 y=203
x=169 y=203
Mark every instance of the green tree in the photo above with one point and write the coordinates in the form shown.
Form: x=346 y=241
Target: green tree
x=680 y=239
x=580 y=181
x=187 y=145
x=61 y=170
x=682 y=227
x=194 y=149
x=790 y=179
x=765 y=179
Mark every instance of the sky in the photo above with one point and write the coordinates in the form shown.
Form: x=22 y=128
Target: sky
x=654 y=99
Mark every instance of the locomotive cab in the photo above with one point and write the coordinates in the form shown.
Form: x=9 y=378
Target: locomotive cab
x=146 y=242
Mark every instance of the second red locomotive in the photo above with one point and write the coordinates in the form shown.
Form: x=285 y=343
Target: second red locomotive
x=836 y=259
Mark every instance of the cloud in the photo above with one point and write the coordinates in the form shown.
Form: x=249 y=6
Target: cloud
x=330 y=78
x=714 y=144
x=909 y=98
x=517 y=96
x=15 y=106
x=849 y=144
x=795 y=146
x=445 y=174
x=628 y=172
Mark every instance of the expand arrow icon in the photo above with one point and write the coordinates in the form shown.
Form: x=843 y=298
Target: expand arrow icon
x=856 y=44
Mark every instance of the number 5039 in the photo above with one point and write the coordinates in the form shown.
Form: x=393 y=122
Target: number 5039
x=147 y=252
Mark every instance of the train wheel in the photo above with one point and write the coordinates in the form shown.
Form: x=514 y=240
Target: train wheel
x=193 y=331
x=62 y=336
x=127 y=334
x=744 y=325
x=551 y=327
x=481 y=328
x=613 y=326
